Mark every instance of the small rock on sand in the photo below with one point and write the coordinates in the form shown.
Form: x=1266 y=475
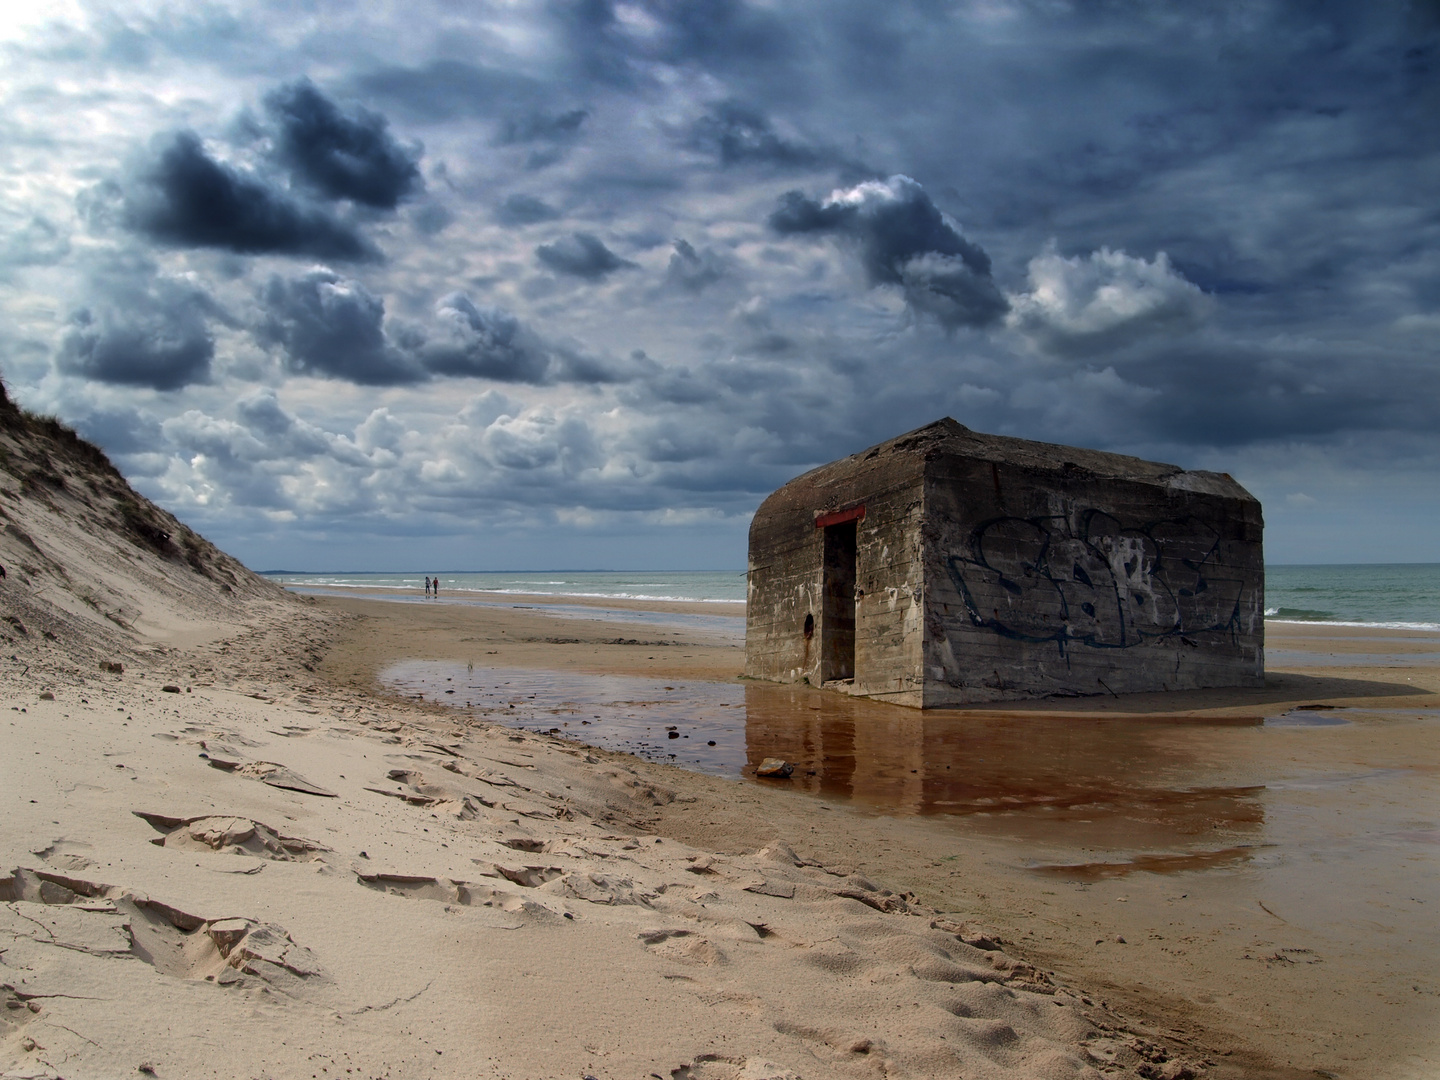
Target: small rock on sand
x=775 y=768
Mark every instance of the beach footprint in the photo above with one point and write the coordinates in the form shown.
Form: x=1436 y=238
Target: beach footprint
x=16 y=1011
x=503 y=909
x=66 y=854
x=109 y=921
x=412 y=787
x=715 y=1067
x=272 y=773
x=229 y=835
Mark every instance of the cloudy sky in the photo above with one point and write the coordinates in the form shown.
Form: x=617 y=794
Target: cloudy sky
x=445 y=284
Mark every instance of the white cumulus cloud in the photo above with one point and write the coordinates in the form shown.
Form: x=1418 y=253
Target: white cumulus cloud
x=1104 y=300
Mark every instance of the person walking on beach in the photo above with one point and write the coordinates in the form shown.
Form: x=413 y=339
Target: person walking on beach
x=427 y=586
x=436 y=587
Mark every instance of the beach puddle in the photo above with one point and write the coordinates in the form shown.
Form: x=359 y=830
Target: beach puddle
x=613 y=712
x=1308 y=716
x=1097 y=781
x=1082 y=798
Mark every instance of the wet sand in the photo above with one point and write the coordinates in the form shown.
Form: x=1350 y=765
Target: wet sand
x=1232 y=868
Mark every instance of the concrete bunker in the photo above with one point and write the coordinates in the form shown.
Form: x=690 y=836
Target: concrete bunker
x=946 y=567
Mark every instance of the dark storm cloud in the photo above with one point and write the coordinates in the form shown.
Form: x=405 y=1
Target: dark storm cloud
x=327 y=325
x=718 y=35
x=35 y=242
x=550 y=135
x=1231 y=394
x=281 y=433
x=736 y=134
x=489 y=344
x=522 y=209
x=184 y=198
x=156 y=335
x=432 y=218
x=120 y=430
x=597 y=44
x=693 y=270
x=330 y=326
x=903 y=239
x=573 y=363
x=450 y=89
x=581 y=255
x=341 y=154
x=541 y=126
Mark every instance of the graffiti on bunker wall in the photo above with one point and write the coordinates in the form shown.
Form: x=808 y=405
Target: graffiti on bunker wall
x=1102 y=585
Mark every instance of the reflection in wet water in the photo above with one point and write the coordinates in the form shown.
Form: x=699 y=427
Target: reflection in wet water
x=1097 y=780
x=1090 y=781
x=1154 y=864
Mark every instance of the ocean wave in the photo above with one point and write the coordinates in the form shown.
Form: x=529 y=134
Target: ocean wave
x=1302 y=614
x=1429 y=626
x=602 y=595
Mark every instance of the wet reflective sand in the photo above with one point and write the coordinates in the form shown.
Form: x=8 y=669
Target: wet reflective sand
x=1139 y=793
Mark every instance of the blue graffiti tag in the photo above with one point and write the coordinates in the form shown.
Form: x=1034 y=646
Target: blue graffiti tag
x=1102 y=585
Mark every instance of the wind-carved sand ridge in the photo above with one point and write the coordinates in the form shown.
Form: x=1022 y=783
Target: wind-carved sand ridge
x=233 y=856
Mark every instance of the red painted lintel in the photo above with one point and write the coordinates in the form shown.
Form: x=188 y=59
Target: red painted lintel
x=839 y=517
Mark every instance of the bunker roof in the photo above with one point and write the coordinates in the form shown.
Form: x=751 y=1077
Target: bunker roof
x=905 y=457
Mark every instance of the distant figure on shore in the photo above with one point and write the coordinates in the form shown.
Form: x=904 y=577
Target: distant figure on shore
x=435 y=587
x=427 y=586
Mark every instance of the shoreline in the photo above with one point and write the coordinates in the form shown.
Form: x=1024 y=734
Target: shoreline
x=728 y=608
x=733 y=608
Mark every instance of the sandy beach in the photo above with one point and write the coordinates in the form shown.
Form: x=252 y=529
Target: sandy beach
x=253 y=834
x=251 y=854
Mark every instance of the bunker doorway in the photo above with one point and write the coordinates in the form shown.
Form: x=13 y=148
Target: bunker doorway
x=837 y=623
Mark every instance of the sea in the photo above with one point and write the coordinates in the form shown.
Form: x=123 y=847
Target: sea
x=1395 y=595
x=1400 y=596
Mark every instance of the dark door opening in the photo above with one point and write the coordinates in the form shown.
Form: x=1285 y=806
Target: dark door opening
x=837 y=622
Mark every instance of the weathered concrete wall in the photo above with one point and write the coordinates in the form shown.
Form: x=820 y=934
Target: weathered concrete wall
x=988 y=568
x=787 y=578
x=1056 y=571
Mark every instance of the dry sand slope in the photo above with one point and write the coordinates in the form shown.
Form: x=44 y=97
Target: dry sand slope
x=215 y=862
